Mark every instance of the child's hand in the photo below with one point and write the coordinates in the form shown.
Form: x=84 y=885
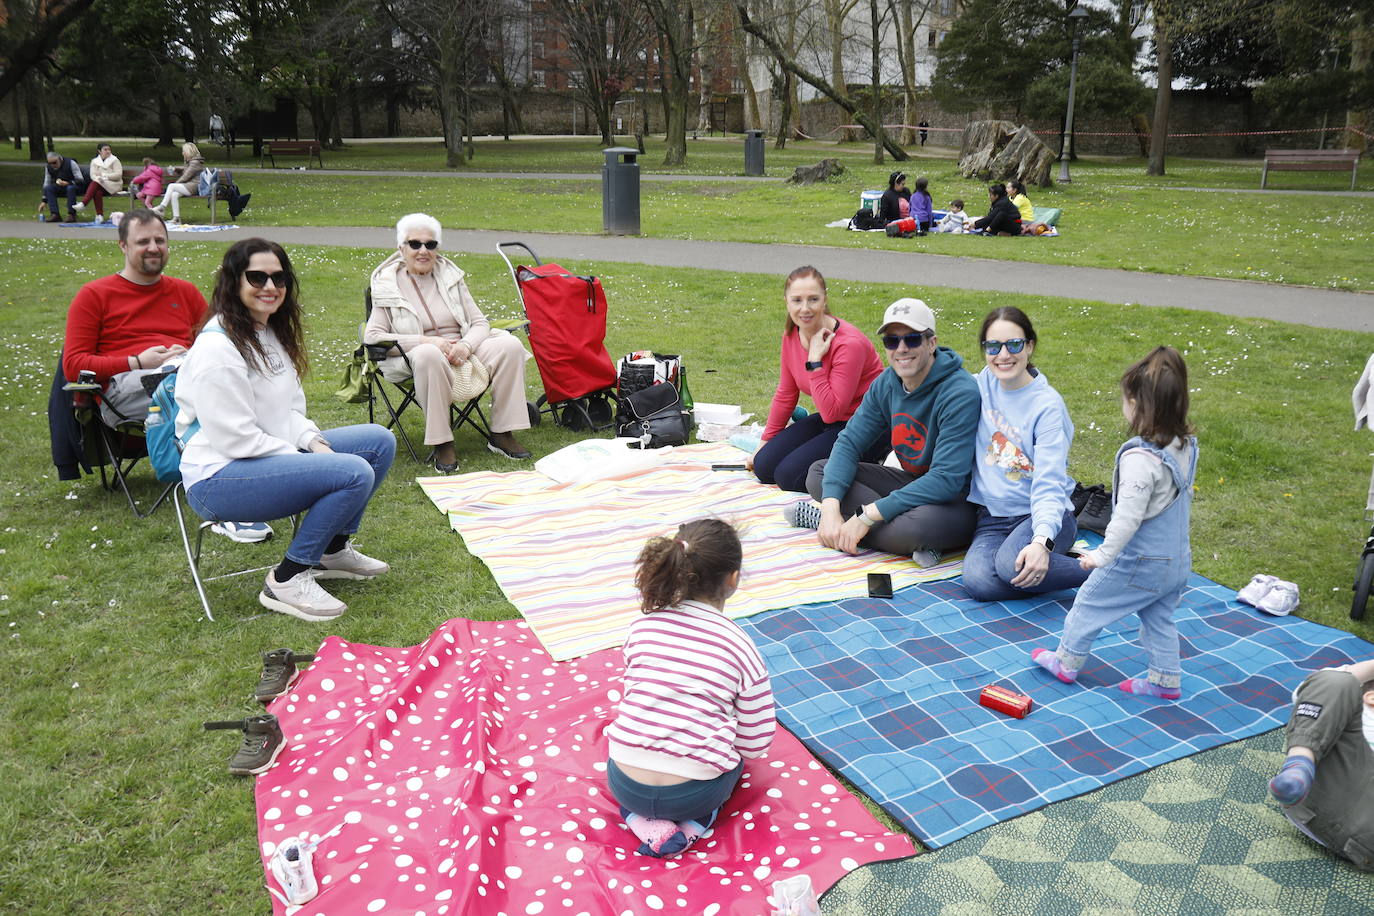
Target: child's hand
x=1087 y=561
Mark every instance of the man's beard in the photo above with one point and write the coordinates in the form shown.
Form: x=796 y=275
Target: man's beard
x=152 y=264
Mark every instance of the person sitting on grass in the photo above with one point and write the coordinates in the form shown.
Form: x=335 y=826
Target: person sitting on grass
x=826 y=358
x=1326 y=784
x=896 y=200
x=955 y=219
x=925 y=408
x=1003 y=218
x=696 y=696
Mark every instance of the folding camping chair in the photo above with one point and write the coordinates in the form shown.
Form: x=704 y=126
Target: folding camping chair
x=193 y=553
x=566 y=314
x=395 y=397
x=114 y=451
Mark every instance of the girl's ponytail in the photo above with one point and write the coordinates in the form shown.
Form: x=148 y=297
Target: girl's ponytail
x=693 y=564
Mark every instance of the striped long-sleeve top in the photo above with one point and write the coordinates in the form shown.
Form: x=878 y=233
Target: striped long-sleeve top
x=696 y=695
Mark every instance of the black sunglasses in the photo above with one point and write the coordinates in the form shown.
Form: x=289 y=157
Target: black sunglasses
x=416 y=244
x=258 y=278
x=1014 y=346
x=912 y=340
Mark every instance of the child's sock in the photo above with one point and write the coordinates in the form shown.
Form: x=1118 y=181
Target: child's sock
x=1051 y=663
x=657 y=836
x=1293 y=780
x=1141 y=686
x=694 y=829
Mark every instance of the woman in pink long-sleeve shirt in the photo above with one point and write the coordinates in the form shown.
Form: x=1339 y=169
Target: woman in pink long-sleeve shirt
x=826 y=358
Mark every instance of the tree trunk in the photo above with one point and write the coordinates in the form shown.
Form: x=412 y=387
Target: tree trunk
x=467 y=123
x=393 y=114
x=1361 y=50
x=17 y=105
x=449 y=105
x=33 y=108
x=355 y=110
x=875 y=81
x=785 y=120
x=188 y=125
x=906 y=62
x=1159 y=128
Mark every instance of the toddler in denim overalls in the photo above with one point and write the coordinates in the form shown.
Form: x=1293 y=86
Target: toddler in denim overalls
x=1141 y=570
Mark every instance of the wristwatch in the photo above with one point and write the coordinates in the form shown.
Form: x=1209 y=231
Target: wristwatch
x=1044 y=541
x=863 y=516
x=812 y=367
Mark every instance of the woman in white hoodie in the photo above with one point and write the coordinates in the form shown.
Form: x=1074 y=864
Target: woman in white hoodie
x=107 y=177
x=249 y=450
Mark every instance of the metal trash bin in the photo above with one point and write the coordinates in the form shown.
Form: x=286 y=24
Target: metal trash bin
x=753 y=152
x=620 y=191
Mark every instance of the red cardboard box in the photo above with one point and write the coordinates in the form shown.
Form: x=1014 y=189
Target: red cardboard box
x=1014 y=704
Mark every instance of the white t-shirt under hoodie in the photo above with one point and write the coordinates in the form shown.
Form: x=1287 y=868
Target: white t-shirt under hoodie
x=245 y=411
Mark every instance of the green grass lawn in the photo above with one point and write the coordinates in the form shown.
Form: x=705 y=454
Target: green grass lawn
x=1110 y=220
x=114 y=794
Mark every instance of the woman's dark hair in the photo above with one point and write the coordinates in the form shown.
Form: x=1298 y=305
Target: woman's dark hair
x=802 y=273
x=1015 y=316
x=997 y=190
x=1158 y=385
x=101 y=145
x=894 y=178
x=691 y=565
x=1016 y=186
x=226 y=302
x=922 y=183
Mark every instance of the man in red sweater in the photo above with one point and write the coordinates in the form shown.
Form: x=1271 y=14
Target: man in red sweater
x=131 y=327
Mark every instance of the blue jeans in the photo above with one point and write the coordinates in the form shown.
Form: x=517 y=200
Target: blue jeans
x=990 y=564
x=686 y=801
x=332 y=489
x=50 y=192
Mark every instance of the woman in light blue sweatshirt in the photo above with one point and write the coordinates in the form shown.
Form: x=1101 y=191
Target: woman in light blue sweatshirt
x=1021 y=484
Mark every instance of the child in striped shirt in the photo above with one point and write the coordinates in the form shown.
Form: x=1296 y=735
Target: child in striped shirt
x=696 y=699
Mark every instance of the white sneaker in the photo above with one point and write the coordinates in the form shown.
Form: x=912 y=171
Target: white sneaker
x=1281 y=600
x=243 y=532
x=301 y=597
x=1257 y=589
x=292 y=868
x=349 y=563
x=78 y=207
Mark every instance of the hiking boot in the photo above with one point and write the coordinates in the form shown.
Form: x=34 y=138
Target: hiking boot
x=804 y=514
x=349 y=563
x=295 y=874
x=1097 y=509
x=278 y=673
x=301 y=597
x=506 y=444
x=241 y=532
x=262 y=742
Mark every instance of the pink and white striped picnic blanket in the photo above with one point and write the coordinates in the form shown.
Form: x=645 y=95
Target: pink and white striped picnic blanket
x=564 y=553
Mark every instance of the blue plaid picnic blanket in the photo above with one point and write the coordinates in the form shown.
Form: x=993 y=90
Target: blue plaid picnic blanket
x=886 y=692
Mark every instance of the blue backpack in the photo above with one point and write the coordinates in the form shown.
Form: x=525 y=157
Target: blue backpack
x=164 y=448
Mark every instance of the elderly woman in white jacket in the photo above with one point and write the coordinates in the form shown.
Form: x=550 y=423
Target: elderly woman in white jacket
x=420 y=302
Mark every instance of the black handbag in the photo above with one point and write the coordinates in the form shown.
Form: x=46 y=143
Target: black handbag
x=655 y=412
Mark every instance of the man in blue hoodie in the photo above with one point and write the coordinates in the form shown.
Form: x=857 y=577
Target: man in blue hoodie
x=926 y=406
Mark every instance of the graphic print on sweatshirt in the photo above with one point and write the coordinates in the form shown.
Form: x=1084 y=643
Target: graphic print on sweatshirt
x=909 y=441
x=1003 y=452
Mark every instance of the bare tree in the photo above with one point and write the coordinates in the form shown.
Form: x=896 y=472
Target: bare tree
x=604 y=37
x=908 y=16
x=789 y=63
x=508 y=59
x=675 y=24
x=836 y=15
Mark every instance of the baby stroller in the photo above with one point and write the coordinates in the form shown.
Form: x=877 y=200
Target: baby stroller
x=567 y=331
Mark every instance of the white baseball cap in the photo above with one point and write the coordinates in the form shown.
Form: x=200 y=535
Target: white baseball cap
x=913 y=313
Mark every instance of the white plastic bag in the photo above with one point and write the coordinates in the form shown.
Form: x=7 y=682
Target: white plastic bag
x=794 y=897
x=597 y=459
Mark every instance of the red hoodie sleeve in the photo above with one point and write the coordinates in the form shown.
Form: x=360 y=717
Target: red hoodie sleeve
x=835 y=386
x=785 y=398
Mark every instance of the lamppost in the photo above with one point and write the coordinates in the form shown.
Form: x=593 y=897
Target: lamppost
x=1076 y=16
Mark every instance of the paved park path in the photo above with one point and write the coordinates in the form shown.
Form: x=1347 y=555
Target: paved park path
x=1322 y=308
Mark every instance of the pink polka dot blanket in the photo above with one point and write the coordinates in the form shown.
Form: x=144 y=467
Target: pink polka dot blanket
x=564 y=553
x=466 y=777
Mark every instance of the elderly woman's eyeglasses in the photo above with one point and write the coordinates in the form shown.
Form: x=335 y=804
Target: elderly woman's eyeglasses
x=416 y=244
x=258 y=278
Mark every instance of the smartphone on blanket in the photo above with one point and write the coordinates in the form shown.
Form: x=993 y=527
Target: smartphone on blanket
x=879 y=585
x=728 y=467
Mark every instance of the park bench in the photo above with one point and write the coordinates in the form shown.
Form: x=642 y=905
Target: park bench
x=1310 y=160
x=309 y=149
x=132 y=173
